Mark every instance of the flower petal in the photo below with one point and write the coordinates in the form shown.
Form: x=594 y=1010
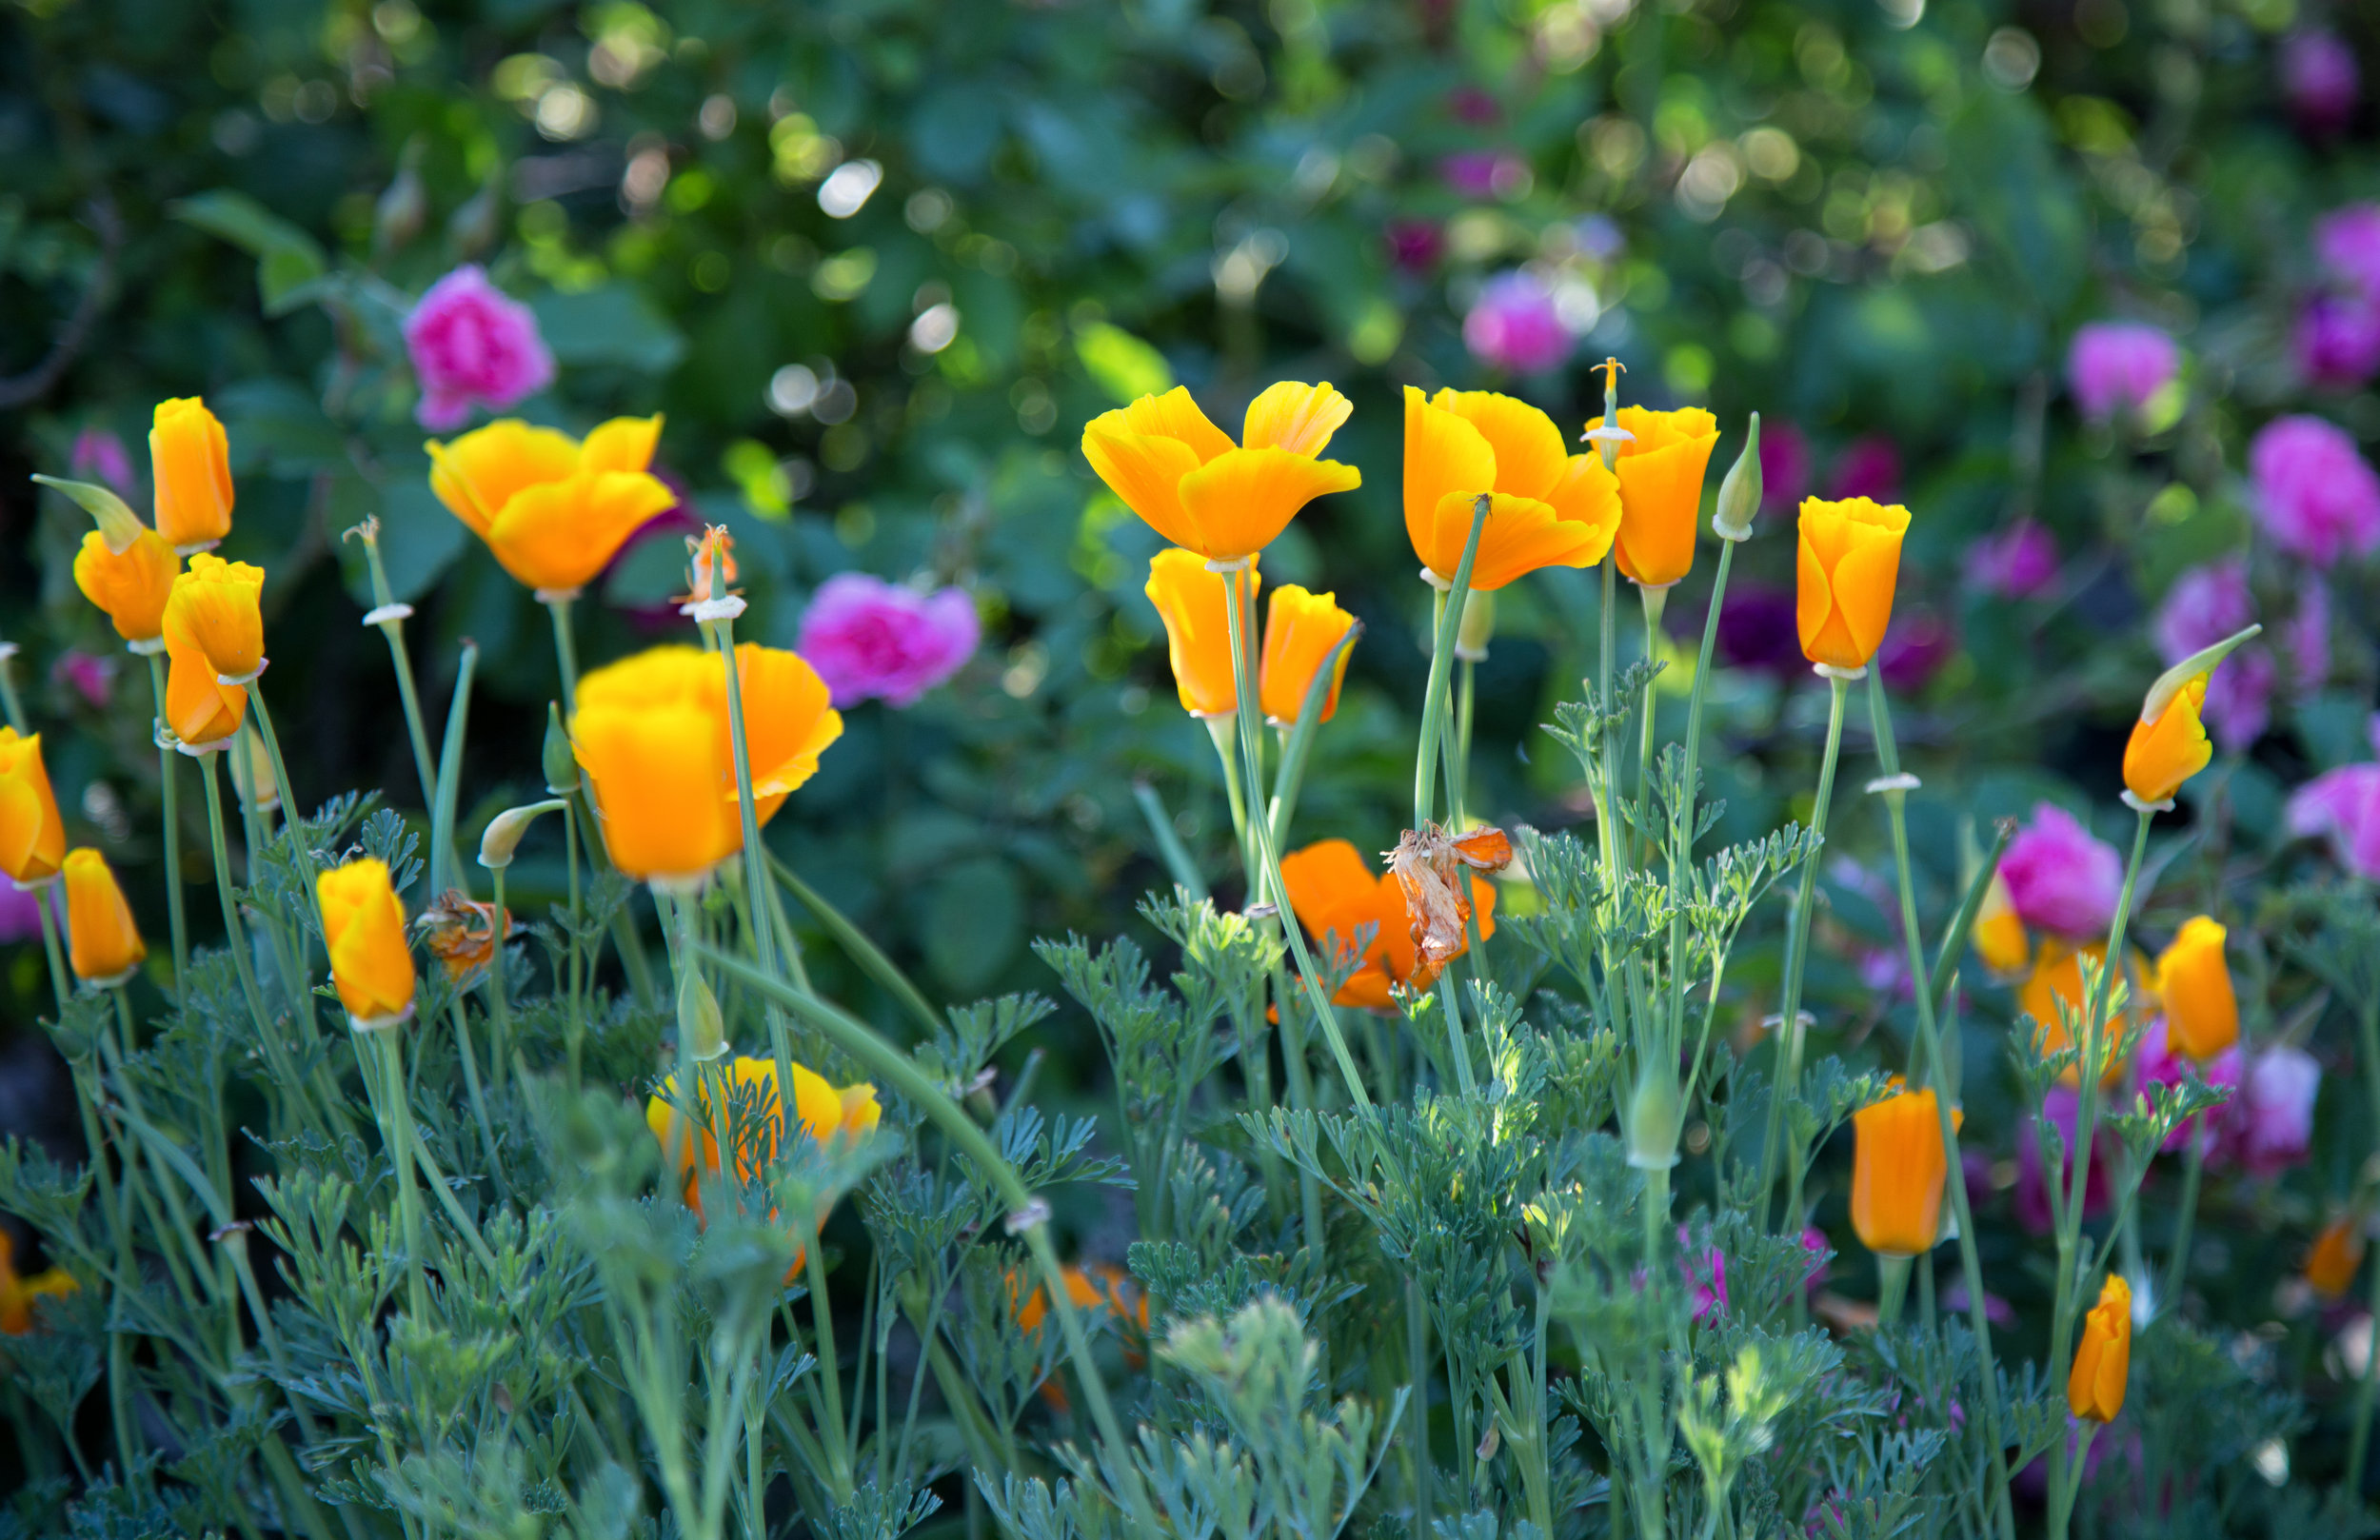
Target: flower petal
x=560 y=534
x=1146 y=471
x=1173 y=415
x=1444 y=454
x=623 y=444
x=1238 y=502
x=1296 y=417
x=1530 y=455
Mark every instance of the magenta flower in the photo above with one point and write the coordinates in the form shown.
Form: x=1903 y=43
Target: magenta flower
x=1915 y=650
x=2205 y=604
x=87 y=674
x=2270 y=1125
x=2306 y=637
x=1869 y=468
x=2315 y=494
x=2160 y=1065
x=1515 y=325
x=2347 y=241
x=2319 y=79
x=20 y=913
x=1784 y=466
x=1414 y=244
x=473 y=345
x=1706 y=1274
x=2062 y=1109
x=2016 y=562
x=1814 y=1241
x=2060 y=878
x=2116 y=366
x=100 y=456
x=873 y=639
x=1484 y=173
x=2342 y=806
x=2337 y=340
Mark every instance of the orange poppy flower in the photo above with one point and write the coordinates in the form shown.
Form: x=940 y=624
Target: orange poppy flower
x=1335 y=892
x=1549 y=507
x=1660 y=490
x=1192 y=485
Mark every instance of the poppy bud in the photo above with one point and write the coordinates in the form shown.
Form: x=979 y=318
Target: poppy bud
x=1849 y=560
x=104 y=945
x=191 y=461
x=2095 y=1388
x=2339 y=1251
x=1655 y=1116
x=1897 y=1171
x=2201 y=1012
x=1190 y=600
x=364 y=932
x=1477 y=626
x=33 y=838
x=216 y=606
x=698 y=1022
x=1300 y=629
x=1739 y=494
x=2168 y=743
x=504 y=831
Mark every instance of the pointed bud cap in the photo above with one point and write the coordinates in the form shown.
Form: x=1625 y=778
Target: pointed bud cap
x=1739 y=495
x=118 y=524
x=504 y=832
x=2196 y=665
x=562 y=766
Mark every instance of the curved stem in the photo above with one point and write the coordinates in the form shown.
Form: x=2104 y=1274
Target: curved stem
x=168 y=779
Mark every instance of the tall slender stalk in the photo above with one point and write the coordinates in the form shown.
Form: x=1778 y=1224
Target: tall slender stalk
x=2359 y=1446
x=388 y=617
x=444 y=871
x=235 y=937
x=60 y=986
x=557 y=603
x=167 y=781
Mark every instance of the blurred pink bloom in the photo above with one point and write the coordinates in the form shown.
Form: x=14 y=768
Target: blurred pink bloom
x=2160 y=1065
x=1869 y=468
x=1514 y=324
x=1483 y=174
x=1784 y=466
x=2337 y=340
x=1414 y=244
x=20 y=913
x=2347 y=241
x=2270 y=1125
x=2060 y=878
x=100 y=456
x=91 y=676
x=2116 y=366
x=1915 y=650
x=2319 y=79
x=2306 y=637
x=2315 y=495
x=2343 y=806
x=2062 y=1109
x=2016 y=562
x=1814 y=1241
x=869 y=639
x=2205 y=604
x=473 y=345
x=1705 y=1275
x=1996 y=1309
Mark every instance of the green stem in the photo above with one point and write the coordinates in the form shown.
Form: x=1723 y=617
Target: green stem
x=1797 y=954
x=236 y=941
x=60 y=986
x=2358 y=1449
x=391 y=628
x=168 y=781
x=396 y=1128
x=855 y=943
x=444 y=871
x=2177 y=1266
x=1891 y=1274
x=1654 y=601
x=1449 y=603
x=565 y=647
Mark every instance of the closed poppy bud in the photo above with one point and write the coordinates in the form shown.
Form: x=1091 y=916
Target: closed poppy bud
x=1897 y=1171
x=2104 y=1358
x=2168 y=743
x=364 y=932
x=33 y=838
x=1300 y=628
x=2339 y=1251
x=191 y=461
x=123 y=566
x=1849 y=556
x=1186 y=478
x=216 y=605
x=1546 y=506
x=1999 y=930
x=200 y=708
x=561 y=767
x=649 y=739
x=1660 y=490
x=1191 y=602
x=552 y=509
x=2201 y=1012
x=103 y=943
x=1740 y=493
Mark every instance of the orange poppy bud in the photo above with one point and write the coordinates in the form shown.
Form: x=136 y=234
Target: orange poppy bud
x=2201 y=1012
x=824 y=1112
x=364 y=932
x=18 y=1295
x=1192 y=603
x=191 y=461
x=103 y=943
x=552 y=509
x=1300 y=628
x=1898 y=1171
x=1335 y=892
x=647 y=732
x=216 y=605
x=130 y=585
x=2339 y=1251
x=2168 y=749
x=2095 y=1388
x=1660 y=490
x=1999 y=931
x=1549 y=507
x=33 y=838
x=2057 y=976
x=1850 y=554
x=1186 y=478
x=200 y=708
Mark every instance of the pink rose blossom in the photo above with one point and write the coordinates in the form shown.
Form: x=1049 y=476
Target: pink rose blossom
x=2337 y=340
x=1515 y=325
x=2319 y=78
x=1784 y=466
x=2017 y=562
x=2205 y=604
x=869 y=639
x=2315 y=494
x=2342 y=806
x=2269 y=1126
x=473 y=345
x=100 y=456
x=2347 y=241
x=87 y=674
x=2060 y=876
x=2116 y=366
x=20 y=913
x=1868 y=468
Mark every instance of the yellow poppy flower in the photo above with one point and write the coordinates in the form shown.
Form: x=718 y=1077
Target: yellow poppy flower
x=364 y=932
x=1192 y=603
x=646 y=732
x=552 y=509
x=191 y=461
x=103 y=943
x=217 y=606
x=1335 y=892
x=1300 y=628
x=1897 y=1174
x=1548 y=507
x=2094 y=1390
x=131 y=584
x=200 y=708
x=2201 y=1011
x=823 y=1112
x=1999 y=931
x=2168 y=748
x=33 y=838
x=2339 y=1252
x=787 y=724
x=1192 y=485
x=1847 y=558
x=1660 y=490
